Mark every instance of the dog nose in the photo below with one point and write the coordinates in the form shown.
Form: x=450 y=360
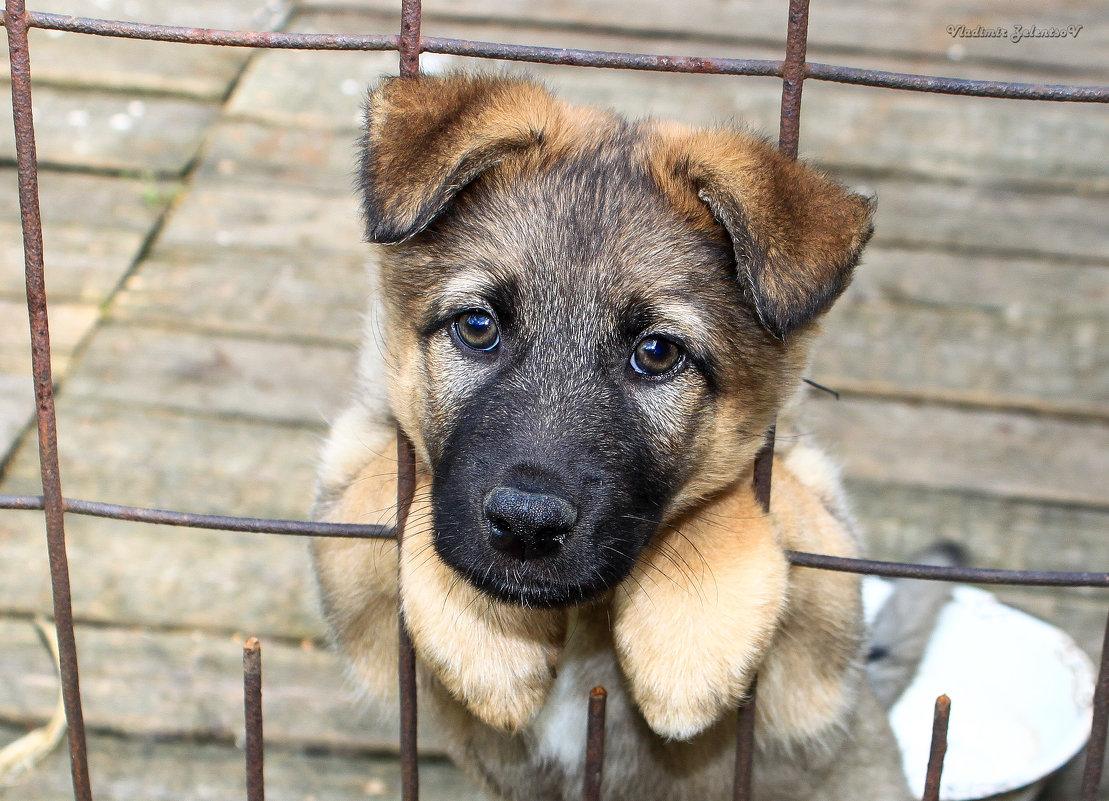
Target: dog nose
x=527 y=525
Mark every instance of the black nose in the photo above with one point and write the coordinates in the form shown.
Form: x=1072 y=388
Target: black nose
x=527 y=525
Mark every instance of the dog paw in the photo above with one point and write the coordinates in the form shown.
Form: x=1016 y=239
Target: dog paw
x=496 y=659
x=691 y=638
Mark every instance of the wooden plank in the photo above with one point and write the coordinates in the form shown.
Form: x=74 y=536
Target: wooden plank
x=844 y=127
x=1000 y=285
x=854 y=26
x=308 y=89
x=119 y=64
x=163 y=577
x=109 y=131
x=158 y=458
x=284 y=382
x=1039 y=365
x=241 y=216
x=16 y=409
x=978 y=330
x=125 y=769
x=69 y=323
x=93 y=228
x=253 y=291
x=189 y=685
x=978 y=451
x=986 y=219
x=70 y=199
x=1007 y=533
x=247 y=152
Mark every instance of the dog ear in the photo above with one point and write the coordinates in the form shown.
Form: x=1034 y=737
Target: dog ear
x=797 y=235
x=426 y=137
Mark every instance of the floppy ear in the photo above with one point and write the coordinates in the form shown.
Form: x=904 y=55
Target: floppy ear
x=497 y=659
x=693 y=621
x=797 y=234
x=426 y=137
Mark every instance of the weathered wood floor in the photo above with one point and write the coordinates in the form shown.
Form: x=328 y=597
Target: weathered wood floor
x=205 y=271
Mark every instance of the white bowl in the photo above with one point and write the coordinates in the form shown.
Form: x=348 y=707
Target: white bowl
x=1021 y=697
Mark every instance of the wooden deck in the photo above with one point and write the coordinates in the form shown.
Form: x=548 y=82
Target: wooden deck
x=204 y=266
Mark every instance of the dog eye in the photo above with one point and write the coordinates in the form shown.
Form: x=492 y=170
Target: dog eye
x=477 y=330
x=656 y=355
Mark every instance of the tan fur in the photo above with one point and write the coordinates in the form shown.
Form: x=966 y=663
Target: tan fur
x=711 y=600
x=685 y=638
x=693 y=621
x=358 y=578
x=818 y=641
x=497 y=659
x=794 y=229
x=439 y=135
x=504 y=682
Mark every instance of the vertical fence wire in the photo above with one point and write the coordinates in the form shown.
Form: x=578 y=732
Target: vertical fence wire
x=408 y=47
x=1095 y=746
x=793 y=76
x=31 y=219
x=745 y=746
x=406 y=654
x=941 y=717
x=252 y=718
x=594 y=745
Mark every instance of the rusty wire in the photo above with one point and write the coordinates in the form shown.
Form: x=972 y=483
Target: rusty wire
x=406 y=653
x=409 y=52
x=941 y=717
x=27 y=161
x=409 y=43
x=745 y=745
x=570 y=57
x=594 y=745
x=252 y=717
x=1095 y=747
x=315 y=528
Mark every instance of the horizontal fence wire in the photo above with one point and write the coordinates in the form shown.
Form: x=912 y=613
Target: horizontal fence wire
x=313 y=528
x=166 y=517
x=570 y=57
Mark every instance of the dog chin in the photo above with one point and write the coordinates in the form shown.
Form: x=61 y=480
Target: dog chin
x=534 y=594
x=526 y=586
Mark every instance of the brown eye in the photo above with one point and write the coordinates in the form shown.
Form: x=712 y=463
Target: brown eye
x=655 y=356
x=477 y=330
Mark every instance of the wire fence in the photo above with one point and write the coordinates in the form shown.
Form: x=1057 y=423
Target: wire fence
x=793 y=70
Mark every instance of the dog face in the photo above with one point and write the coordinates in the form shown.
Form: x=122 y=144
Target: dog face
x=589 y=324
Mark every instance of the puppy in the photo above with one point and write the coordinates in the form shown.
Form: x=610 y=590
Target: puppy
x=587 y=325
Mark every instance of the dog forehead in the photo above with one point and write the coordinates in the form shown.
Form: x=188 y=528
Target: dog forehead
x=593 y=223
